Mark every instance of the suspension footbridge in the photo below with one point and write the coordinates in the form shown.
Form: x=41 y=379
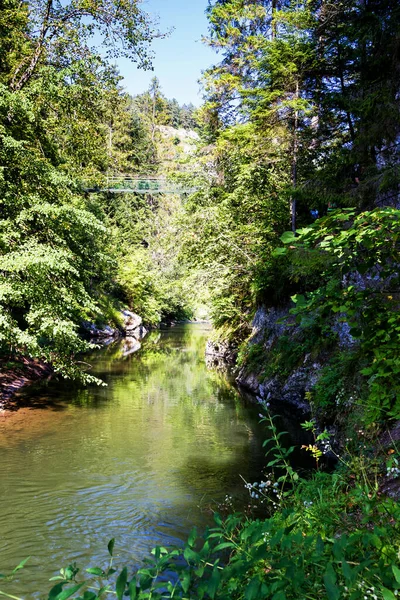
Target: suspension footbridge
x=126 y=184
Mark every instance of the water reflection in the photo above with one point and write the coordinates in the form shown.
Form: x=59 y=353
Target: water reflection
x=134 y=460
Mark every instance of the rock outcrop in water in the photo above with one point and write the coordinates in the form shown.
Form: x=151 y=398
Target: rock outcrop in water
x=278 y=365
x=221 y=351
x=131 y=327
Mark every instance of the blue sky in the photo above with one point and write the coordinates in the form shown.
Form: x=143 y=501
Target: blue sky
x=181 y=57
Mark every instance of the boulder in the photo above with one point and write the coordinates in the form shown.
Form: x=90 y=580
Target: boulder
x=133 y=325
x=131 y=321
x=100 y=333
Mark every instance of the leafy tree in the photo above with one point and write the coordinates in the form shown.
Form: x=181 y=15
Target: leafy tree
x=53 y=259
x=55 y=27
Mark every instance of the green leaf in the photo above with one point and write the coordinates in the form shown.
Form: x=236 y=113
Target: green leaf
x=56 y=590
x=288 y=237
x=214 y=582
x=185 y=581
x=70 y=572
x=199 y=571
x=190 y=555
x=290 y=527
x=332 y=590
x=132 y=589
x=279 y=595
x=95 y=571
x=217 y=519
x=145 y=581
x=121 y=583
x=111 y=546
x=253 y=589
x=304 y=230
x=348 y=572
x=69 y=591
x=319 y=546
x=88 y=595
x=396 y=573
x=223 y=546
x=279 y=252
x=387 y=594
x=192 y=537
x=21 y=564
x=298 y=299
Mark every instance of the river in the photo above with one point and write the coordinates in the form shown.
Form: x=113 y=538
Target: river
x=142 y=460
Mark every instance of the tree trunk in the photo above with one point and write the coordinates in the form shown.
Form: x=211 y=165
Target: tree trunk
x=294 y=159
x=273 y=24
x=17 y=85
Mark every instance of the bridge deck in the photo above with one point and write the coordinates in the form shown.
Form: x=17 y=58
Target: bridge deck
x=141 y=185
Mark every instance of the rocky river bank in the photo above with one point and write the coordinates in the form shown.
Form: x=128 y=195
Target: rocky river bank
x=17 y=372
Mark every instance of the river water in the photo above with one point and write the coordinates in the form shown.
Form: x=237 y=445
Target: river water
x=142 y=460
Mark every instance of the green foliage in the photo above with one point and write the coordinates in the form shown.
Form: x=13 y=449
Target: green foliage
x=341 y=275
x=158 y=110
x=152 y=297
x=56 y=102
x=251 y=355
x=52 y=254
x=337 y=382
x=294 y=119
x=359 y=287
x=229 y=230
x=288 y=352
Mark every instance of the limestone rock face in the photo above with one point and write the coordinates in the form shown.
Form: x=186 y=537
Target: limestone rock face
x=269 y=324
x=285 y=388
x=267 y=320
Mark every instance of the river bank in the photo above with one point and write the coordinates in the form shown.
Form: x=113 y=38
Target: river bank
x=19 y=373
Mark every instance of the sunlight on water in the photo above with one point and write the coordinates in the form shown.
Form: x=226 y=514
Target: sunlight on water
x=141 y=460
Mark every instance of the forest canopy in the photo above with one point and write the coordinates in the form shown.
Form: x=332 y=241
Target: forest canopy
x=301 y=116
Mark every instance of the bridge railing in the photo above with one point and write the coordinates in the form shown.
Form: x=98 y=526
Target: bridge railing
x=141 y=185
